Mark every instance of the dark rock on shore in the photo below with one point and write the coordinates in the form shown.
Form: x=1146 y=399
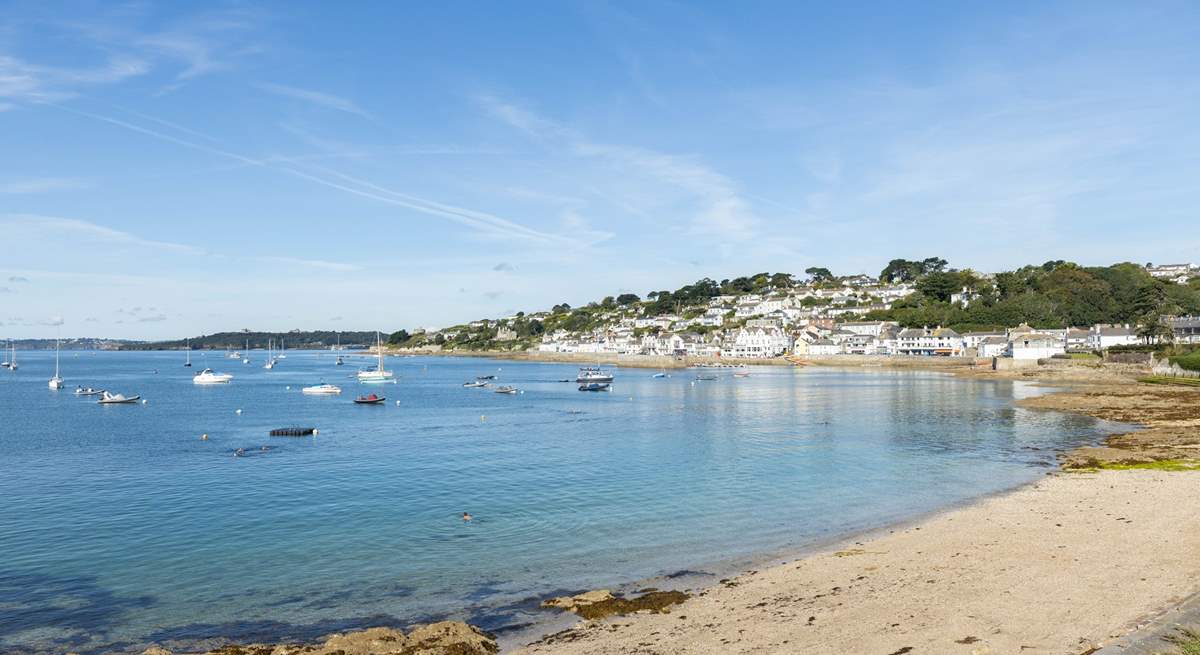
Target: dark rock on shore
x=601 y=603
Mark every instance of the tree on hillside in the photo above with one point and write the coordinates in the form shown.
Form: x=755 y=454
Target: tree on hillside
x=398 y=337
x=940 y=285
x=819 y=274
x=627 y=299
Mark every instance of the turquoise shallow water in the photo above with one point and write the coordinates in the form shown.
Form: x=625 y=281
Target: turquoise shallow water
x=119 y=526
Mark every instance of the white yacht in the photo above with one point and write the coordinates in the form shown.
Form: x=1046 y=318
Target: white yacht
x=56 y=382
x=270 y=357
x=282 y=350
x=207 y=376
x=593 y=374
x=322 y=389
x=377 y=375
x=12 y=361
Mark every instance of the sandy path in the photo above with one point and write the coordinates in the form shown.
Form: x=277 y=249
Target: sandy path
x=1055 y=567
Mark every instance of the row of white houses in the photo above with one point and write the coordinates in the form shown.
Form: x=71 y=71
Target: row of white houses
x=765 y=338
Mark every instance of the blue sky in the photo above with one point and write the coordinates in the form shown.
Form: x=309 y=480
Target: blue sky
x=183 y=168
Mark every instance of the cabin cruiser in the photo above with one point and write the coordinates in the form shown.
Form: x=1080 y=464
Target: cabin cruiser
x=207 y=376
x=593 y=374
x=107 y=398
x=322 y=389
x=595 y=386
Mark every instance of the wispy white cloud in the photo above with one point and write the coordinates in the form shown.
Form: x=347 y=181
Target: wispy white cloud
x=311 y=263
x=318 y=98
x=718 y=207
x=25 y=81
x=41 y=185
x=35 y=226
x=483 y=222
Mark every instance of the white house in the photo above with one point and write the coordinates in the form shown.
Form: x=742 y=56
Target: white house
x=824 y=347
x=923 y=341
x=992 y=346
x=1103 y=337
x=1032 y=345
x=758 y=343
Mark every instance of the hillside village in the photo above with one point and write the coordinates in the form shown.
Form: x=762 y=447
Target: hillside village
x=824 y=315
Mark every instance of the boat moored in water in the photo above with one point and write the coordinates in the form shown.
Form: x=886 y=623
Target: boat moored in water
x=475 y=385
x=207 y=376
x=508 y=390
x=322 y=389
x=595 y=386
x=377 y=375
x=88 y=391
x=593 y=374
x=107 y=398
x=371 y=399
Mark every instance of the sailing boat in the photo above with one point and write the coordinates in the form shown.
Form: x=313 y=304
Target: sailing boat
x=56 y=382
x=376 y=375
x=270 y=360
x=12 y=361
x=246 y=359
x=282 y=348
x=189 y=353
x=6 y=363
x=338 y=349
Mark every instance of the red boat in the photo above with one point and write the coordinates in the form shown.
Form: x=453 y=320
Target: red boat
x=369 y=400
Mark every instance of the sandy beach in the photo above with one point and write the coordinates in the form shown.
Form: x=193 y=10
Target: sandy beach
x=1060 y=566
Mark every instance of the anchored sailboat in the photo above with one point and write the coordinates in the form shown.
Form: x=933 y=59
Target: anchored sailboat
x=377 y=375
x=56 y=382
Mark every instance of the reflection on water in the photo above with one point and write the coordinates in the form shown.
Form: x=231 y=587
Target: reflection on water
x=121 y=526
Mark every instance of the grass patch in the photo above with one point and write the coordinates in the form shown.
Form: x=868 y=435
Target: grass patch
x=1088 y=357
x=1166 y=379
x=1190 y=361
x=1187 y=642
x=1157 y=465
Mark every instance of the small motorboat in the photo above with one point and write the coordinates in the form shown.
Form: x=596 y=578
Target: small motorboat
x=659 y=375
x=508 y=390
x=88 y=391
x=207 y=376
x=485 y=377
x=107 y=398
x=742 y=374
x=595 y=386
x=369 y=400
x=705 y=378
x=322 y=389
x=475 y=385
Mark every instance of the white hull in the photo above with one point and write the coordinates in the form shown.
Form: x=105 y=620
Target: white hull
x=322 y=390
x=55 y=383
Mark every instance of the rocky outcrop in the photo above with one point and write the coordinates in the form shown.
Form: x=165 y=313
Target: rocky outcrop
x=444 y=638
x=600 y=603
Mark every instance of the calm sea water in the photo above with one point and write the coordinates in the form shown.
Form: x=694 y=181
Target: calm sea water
x=119 y=526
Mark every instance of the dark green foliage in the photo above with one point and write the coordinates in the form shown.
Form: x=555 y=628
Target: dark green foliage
x=819 y=274
x=295 y=339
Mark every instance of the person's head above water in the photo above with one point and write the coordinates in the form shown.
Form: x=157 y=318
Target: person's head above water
x=466 y=516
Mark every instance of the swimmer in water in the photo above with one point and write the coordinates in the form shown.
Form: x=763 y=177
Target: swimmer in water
x=466 y=516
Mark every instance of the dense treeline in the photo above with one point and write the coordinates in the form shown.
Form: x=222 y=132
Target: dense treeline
x=1056 y=294
x=296 y=339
